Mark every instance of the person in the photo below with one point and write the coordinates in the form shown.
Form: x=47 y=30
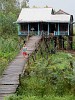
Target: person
x=24 y=50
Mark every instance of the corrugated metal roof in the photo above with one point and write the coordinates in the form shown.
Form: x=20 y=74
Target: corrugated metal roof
x=41 y=15
x=60 y=18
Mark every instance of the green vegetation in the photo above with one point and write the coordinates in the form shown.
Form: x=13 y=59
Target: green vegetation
x=48 y=79
x=8 y=30
x=8 y=33
x=8 y=50
x=50 y=97
x=9 y=10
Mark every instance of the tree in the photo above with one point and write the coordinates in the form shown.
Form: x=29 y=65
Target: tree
x=9 y=6
x=9 y=11
x=25 y=4
x=8 y=14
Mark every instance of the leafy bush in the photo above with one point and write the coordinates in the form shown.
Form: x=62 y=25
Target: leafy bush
x=8 y=50
x=3 y=63
x=48 y=76
x=51 y=79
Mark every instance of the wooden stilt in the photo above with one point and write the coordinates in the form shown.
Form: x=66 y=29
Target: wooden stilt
x=55 y=41
x=60 y=42
x=70 y=42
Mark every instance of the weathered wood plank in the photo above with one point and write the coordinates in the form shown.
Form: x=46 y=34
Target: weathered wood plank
x=10 y=78
x=4 y=89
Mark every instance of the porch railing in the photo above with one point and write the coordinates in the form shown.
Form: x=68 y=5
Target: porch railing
x=25 y=33
x=61 y=33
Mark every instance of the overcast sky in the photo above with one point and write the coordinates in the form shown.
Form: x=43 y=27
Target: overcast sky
x=66 y=5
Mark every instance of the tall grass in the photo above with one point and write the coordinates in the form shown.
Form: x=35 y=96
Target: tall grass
x=8 y=50
x=49 y=97
x=47 y=79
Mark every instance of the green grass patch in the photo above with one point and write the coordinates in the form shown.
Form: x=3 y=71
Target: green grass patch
x=47 y=79
x=50 y=97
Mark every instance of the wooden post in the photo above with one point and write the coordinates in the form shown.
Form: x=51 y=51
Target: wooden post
x=70 y=40
x=58 y=29
x=28 y=59
x=19 y=79
x=19 y=33
x=35 y=55
x=55 y=41
x=28 y=29
x=62 y=43
x=38 y=29
x=28 y=32
x=67 y=43
x=58 y=42
x=68 y=29
x=58 y=37
x=48 y=29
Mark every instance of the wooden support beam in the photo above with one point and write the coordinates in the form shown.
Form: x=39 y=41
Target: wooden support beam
x=58 y=29
x=38 y=29
x=28 y=29
x=60 y=42
x=70 y=42
x=68 y=29
x=28 y=32
x=55 y=42
x=48 y=28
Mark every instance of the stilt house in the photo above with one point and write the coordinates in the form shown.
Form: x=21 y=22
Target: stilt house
x=38 y=20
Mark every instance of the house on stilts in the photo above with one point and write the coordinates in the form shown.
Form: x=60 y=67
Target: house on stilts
x=38 y=20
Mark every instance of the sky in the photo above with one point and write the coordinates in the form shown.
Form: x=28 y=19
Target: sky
x=66 y=5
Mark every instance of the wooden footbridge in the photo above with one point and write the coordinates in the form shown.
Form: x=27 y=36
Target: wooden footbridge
x=10 y=78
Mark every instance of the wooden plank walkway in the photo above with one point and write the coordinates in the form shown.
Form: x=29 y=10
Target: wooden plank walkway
x=10 y=78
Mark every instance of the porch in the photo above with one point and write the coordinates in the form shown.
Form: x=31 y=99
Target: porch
x=57 y=29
